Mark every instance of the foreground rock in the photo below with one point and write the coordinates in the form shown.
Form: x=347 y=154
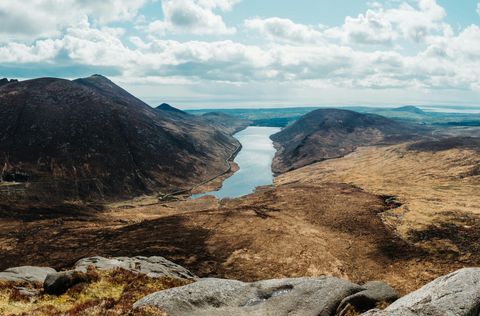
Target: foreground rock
x=58 y=283
x=300 y=296
x=155 y=267
x=375 y=292
x=456 y=294
x=26 y=273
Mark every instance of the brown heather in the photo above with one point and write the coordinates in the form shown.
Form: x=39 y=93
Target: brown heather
x=104 y=293
x=433 y=187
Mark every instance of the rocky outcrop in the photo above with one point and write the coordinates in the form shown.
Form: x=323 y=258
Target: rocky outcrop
x=26 y=273
x=27 y=292
x=59 y=282
x=300 y=296
x=456 y=294
x=375 y=292
x=155 y=267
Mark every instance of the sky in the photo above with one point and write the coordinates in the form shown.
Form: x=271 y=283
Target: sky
x=197 y=54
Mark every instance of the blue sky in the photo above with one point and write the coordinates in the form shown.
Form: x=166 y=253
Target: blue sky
x=245 y=53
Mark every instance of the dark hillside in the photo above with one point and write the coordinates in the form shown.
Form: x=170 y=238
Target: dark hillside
x=110 y=90
x=332 y=133
x=90 y=139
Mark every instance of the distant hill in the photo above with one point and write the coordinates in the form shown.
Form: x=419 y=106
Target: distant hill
x=223 y=122
x=168 y=107
x=90 y=139
x=276 y=117
x=404 y=113
x=409 y=108
x=332 y=133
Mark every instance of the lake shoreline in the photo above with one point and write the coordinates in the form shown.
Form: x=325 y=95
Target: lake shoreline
x=254 y=161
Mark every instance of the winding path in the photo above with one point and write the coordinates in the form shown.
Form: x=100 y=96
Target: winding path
x=163 y=197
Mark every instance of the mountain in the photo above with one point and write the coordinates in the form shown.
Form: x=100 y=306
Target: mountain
x=90 y=139
x=332 y=133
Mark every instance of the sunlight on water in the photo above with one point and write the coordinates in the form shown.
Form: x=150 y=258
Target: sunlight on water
x=254 y=160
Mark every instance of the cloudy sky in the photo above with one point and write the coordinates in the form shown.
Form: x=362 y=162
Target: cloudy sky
x=253 y=53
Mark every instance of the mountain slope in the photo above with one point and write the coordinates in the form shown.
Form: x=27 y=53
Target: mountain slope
x=88 y=139
x=332 y=133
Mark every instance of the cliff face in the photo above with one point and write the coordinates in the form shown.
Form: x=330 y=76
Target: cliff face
x=332 y=133
x=88 y=139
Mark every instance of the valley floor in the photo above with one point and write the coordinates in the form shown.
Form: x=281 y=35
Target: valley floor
x=341 y=217
x=288 y=231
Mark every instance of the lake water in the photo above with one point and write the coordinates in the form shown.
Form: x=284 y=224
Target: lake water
x=254 y=160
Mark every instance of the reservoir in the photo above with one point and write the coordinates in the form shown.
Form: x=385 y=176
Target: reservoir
x=254 y=161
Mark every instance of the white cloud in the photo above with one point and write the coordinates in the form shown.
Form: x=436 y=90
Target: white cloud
x=374 y=4
x=371 y=29
x=384 y=27
x=478 y=8
x=194 y=17
x=42 y=51
x=448 y=62
x=465 y=46
x=28 y=20
x=106 y=11
x=89 y=46
x=416 y=25
x=224 y=5
x=285 y=30
x=300 y=55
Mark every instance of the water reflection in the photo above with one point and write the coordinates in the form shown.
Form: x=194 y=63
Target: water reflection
x=254 y=160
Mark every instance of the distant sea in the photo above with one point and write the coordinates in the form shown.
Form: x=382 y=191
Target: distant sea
x=451 y=109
